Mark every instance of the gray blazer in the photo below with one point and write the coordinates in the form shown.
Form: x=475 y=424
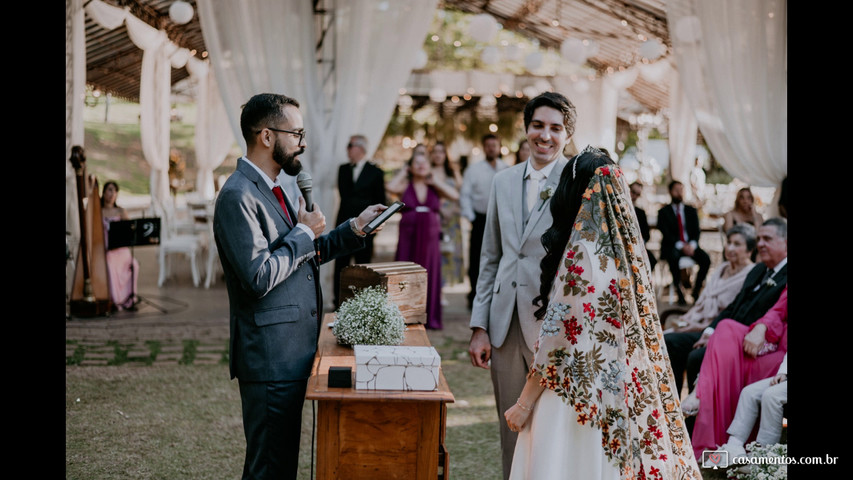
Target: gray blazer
x=509 y=261
x=272 y=275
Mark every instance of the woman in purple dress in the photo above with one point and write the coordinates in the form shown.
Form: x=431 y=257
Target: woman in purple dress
x=420 y=225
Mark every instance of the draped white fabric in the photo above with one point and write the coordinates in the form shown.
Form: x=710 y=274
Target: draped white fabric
x=159 y=56
x=259 y=46
x=213 y=134
x=731 y=56
x=595 y=102
x=683 y=131
x=75 y=88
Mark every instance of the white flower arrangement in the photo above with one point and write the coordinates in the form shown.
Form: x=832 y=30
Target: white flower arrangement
x=770 y=282
x=771 y=465
x=545 y=195
x=369 y=318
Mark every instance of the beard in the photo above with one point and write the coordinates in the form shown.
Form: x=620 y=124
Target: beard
x=288 y=162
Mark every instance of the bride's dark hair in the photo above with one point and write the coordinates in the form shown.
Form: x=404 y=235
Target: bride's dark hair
x=564 y=208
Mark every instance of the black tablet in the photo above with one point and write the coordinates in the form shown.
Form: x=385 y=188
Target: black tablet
x=385 y=215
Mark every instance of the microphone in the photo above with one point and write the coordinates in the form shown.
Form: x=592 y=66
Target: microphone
x=303 y=181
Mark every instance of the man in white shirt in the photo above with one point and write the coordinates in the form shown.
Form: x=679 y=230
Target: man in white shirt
x=474 y=200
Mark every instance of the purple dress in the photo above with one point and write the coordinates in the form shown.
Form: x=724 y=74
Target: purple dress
x=420 y=234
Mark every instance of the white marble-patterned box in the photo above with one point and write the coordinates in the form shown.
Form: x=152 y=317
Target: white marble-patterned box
x=387 y=367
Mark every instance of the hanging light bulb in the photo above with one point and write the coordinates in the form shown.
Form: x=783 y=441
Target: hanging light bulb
x=181 y=12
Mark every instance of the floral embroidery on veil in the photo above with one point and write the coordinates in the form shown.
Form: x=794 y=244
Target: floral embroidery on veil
x=601 y=348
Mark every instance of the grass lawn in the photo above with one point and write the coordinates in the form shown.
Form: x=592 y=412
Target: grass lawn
x=184 y=422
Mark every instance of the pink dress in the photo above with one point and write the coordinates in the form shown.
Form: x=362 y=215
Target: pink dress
x=419 y=242
x=122 y=270
x=726 y=369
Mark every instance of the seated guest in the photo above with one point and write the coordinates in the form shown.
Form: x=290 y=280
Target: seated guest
x=122 y=267
x=679 y=225
x=769 y=397
x=736 y=356
x=645 y=232
x=743 y=211
x=762 y=287
x=725 y=283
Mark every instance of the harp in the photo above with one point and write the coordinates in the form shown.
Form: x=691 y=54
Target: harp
x=90 y=294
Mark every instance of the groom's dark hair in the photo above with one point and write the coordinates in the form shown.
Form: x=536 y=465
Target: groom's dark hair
x=556 y=101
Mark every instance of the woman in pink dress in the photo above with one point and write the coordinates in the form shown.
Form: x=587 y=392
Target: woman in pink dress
x=122 y=268
x=420 y=225
x=736 y=356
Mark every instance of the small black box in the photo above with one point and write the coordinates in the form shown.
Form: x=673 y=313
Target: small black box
x=340 y=377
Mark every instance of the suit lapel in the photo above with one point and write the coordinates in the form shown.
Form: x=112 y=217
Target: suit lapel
x=266 y=192
x=540 y=207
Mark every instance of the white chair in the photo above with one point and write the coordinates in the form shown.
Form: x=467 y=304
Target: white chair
x=172 y=242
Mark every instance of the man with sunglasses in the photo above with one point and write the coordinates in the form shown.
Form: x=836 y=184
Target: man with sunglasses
x=360 y=184
x=270 y=252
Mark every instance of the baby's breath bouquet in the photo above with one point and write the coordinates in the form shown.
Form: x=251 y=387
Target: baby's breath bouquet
x=369 y=318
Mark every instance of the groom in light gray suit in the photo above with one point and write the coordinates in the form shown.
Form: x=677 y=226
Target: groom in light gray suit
x=504 y=329
x=271 y=250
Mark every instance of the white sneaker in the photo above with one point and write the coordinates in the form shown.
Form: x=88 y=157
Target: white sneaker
x=735 y=451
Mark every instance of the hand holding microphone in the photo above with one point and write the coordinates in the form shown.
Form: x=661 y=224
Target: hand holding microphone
x=308 y=215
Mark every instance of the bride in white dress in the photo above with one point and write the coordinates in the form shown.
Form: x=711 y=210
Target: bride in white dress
x=599 y=402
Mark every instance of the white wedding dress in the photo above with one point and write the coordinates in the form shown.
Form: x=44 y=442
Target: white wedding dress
x=575 y=455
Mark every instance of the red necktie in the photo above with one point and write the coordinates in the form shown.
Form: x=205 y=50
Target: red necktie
x=279 y=194
x=680 y=224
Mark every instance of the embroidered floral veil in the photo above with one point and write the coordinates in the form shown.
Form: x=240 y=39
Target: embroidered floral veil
x=601 y=348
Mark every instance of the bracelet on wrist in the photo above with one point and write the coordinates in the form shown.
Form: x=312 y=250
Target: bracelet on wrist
x=522 y=406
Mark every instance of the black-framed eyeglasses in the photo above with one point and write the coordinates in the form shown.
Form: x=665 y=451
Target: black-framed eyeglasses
x=300 y=134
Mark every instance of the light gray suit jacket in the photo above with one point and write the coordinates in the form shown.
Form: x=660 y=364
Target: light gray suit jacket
x=272 y=275
x=509 y=262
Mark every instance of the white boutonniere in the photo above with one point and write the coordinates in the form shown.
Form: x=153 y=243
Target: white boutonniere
x=770 y=282
x=545 y=195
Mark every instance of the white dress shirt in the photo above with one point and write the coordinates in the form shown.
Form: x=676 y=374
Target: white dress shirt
x=476 y=184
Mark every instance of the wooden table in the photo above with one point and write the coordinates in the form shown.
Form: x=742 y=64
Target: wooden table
x=377 y=434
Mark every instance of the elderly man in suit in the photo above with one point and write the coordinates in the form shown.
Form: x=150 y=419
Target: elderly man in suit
x=270 y=253
x=760 y=291
x=504 y=329
x=360 y=184
x=679 y=225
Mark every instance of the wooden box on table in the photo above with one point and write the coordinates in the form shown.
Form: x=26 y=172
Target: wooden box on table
x=405 y=282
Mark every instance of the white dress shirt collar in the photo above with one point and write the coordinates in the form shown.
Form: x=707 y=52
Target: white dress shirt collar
x=546 y=170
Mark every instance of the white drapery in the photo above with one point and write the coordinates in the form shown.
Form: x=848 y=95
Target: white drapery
x=596 y=105
x=213 y=135
x=75 y=91
x=731 y=57
x=259 y=46
x=683 y=131
x=160 y=56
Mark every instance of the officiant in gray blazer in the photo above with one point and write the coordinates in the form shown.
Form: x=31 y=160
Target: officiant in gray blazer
x=270 y=252
x=504 y=328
